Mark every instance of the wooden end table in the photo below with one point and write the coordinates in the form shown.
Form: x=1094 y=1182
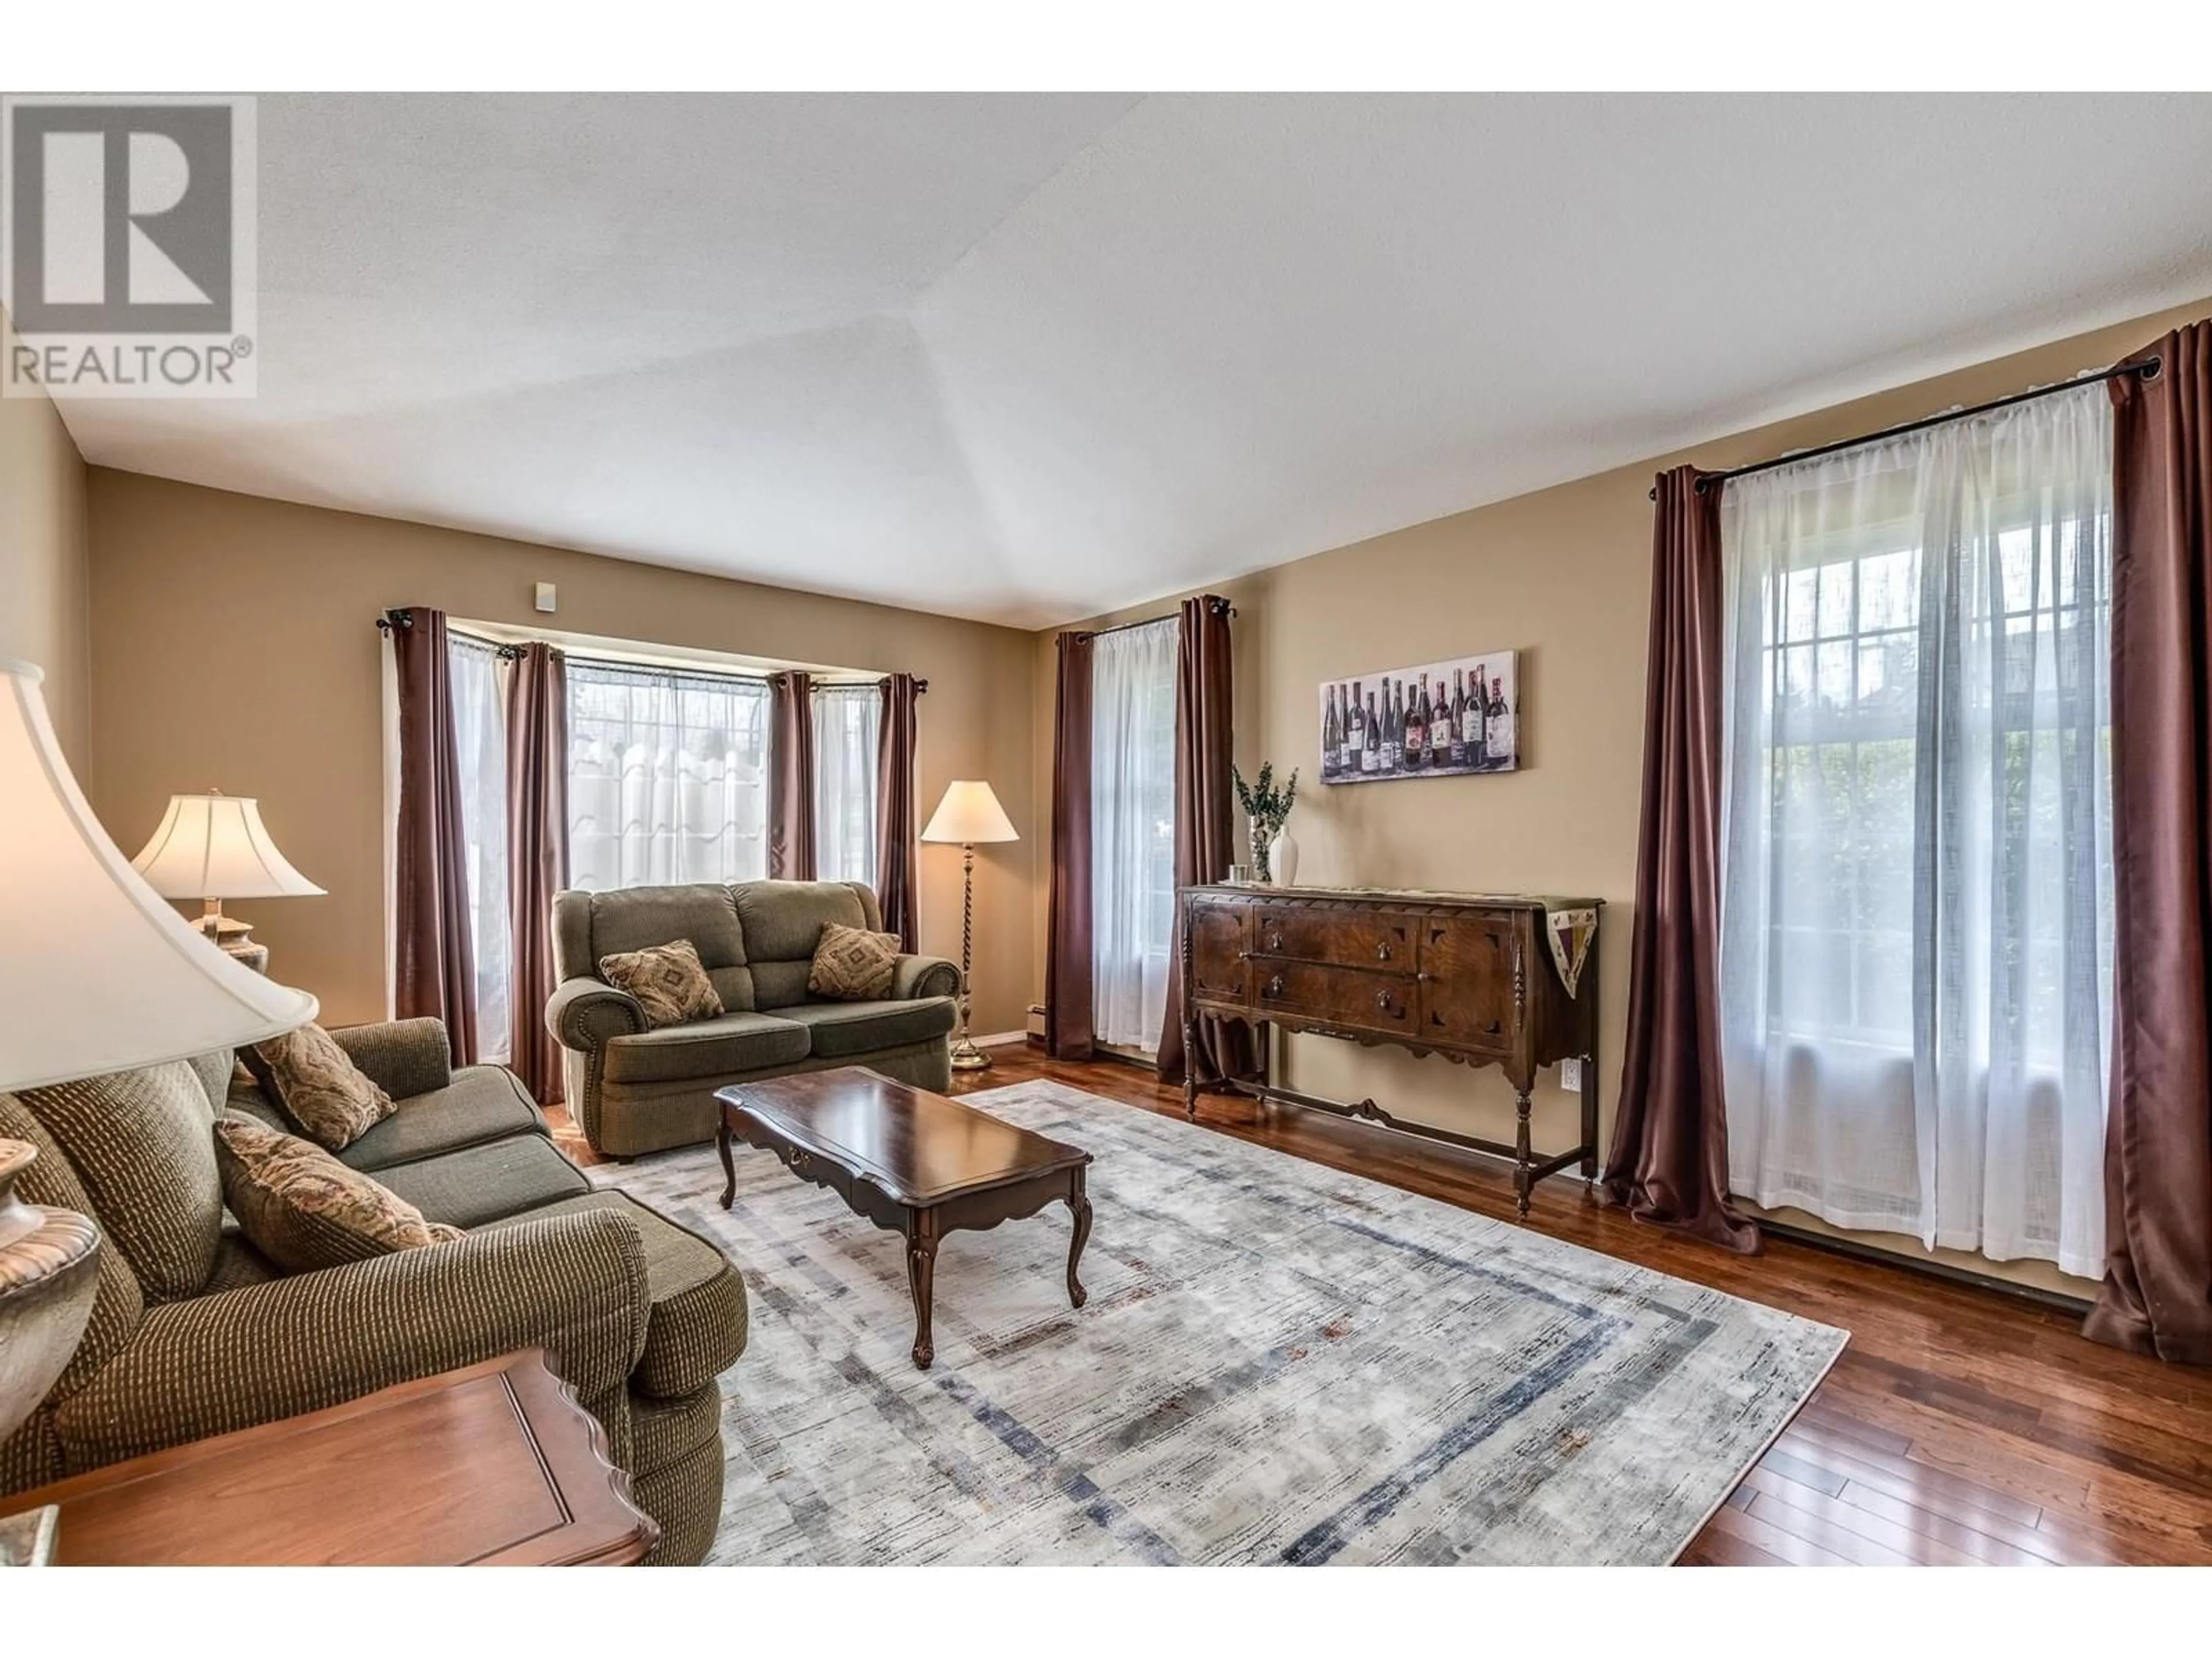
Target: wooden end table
x=495 y=1465
x=912 y=1162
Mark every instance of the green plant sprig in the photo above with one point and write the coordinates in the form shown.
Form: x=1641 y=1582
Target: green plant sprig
x=1261 y=801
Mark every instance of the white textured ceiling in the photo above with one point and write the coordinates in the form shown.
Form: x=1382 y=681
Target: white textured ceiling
x=1034 y=357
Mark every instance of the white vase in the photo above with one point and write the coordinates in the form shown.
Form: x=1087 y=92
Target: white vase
x=1283 y=860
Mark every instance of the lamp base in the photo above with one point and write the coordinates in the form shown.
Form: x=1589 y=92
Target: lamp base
x=27 y=1540
x=967 y=1057
x=49 y=1275
x=233 y=937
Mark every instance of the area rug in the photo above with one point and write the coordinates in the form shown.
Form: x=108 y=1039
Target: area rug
x=1279 y=1362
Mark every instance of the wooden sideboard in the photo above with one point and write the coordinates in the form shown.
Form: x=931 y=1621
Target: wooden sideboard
x=1469 y=977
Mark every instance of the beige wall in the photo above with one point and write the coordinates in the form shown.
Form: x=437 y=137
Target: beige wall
x=44 y=566
x=1563 y=576
x=238 y=651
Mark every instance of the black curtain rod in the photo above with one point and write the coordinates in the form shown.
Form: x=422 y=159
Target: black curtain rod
x=1221 y=608
x=509 y=652
x=2146 y=367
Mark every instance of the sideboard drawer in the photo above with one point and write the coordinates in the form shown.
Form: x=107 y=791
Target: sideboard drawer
x=1352 y=937
x=1382 y=1003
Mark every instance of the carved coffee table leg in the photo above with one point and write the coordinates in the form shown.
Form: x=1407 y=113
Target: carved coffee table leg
x=1079 y=1206
x=729 y=1164
x=922 y=1279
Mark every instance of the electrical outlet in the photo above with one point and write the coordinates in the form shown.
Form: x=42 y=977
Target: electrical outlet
x=1571 y=1076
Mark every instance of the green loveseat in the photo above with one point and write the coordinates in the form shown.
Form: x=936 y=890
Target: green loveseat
x=194 y=1332
x=634 y=1091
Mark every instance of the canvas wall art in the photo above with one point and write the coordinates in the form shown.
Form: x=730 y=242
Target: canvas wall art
x=1439 y=719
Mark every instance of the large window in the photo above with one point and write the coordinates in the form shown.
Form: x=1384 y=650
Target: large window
x=666 y=776
x=1916 y=862
x=1133 y=831
x=847 y=735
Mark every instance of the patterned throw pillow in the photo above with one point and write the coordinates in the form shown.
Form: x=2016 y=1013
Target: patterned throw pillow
x=304 y=1210
x=852 y=965
x=667 y=981
x=314 y=1083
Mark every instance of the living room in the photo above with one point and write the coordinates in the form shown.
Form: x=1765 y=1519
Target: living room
x=705 y=867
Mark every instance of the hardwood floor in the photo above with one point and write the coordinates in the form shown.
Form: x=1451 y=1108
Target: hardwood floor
x=1960 y=1428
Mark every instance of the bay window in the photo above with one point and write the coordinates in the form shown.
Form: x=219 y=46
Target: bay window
x=667 y=773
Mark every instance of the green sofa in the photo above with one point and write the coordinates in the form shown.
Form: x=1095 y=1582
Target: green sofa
x=632 y=1090
x=194 y=1332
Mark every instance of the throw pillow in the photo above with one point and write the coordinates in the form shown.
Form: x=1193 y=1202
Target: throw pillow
x=852 y=965
x=667 y=981
x=138 y=1141
x=304 y=1210
x=315 y=1084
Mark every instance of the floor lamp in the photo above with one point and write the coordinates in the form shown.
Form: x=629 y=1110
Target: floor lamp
x=969 y=813
x=104 y=976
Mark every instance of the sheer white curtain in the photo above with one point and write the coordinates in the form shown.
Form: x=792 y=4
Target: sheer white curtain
x=848 y=733
x=480 y=740
x=1132 y=830
x=666 y=776
x=1916 y=844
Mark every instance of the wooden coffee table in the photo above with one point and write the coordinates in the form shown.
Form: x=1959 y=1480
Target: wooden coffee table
x=912 y=1162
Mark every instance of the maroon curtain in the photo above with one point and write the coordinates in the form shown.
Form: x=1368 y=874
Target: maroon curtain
x=1205 y=828
x=790 y=776
x=537 y=853
x=435 y=969
x=896 y=826
x=1670 y=1161
x=1068 y=1030
x=2157 y=1293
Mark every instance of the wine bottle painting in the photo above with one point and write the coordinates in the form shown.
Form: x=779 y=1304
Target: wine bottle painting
x=1440 y=719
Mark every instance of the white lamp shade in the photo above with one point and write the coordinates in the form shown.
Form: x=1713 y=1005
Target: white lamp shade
x=214 y=847
x=97 y=973
x=970 y=812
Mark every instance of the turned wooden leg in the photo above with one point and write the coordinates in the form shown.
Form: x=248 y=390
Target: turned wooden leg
x=1522 y=1158
x=1189 y=991
x=1589 y=1077
x=1589 y=1120
x=1078 y=1207
x=920 y=1278
x=729 y=1164
x=1190 y=1070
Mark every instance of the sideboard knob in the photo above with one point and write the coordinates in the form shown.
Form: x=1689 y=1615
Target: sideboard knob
x=1382 y=951
x=1275 y=986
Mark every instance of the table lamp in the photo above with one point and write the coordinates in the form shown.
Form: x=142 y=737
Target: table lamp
x=100 y=975
x=969 y=813
x=213 y=848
